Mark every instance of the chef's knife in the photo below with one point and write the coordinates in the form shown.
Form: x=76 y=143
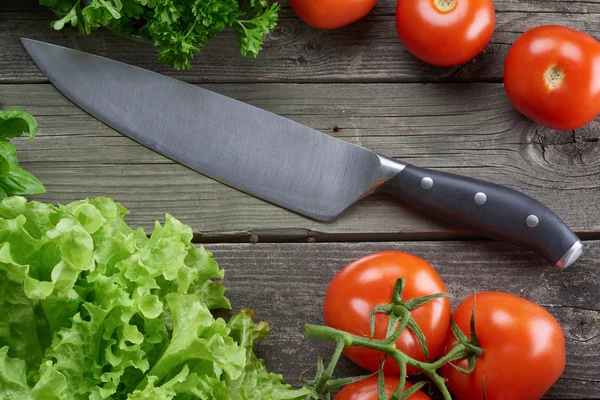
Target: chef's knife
x=286 y=163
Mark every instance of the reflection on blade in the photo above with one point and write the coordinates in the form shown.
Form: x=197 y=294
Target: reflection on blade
x=248 y=148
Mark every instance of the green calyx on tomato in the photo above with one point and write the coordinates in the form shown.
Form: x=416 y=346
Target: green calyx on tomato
x=322 y=384
x=399 y=319
x=371 y=283
x=513 y=349
x=523 y=349
x=373 y=388
x=399 y=312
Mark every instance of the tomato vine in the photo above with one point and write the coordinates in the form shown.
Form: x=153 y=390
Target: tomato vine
x=399 y=319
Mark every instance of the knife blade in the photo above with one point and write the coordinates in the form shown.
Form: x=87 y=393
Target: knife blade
x=284 y=162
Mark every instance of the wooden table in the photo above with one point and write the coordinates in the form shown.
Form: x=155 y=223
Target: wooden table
x=357 y=83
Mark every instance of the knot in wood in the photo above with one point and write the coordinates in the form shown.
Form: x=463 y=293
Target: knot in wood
x=577 y=149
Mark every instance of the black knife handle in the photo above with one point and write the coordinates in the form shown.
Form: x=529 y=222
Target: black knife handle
x=488 y=209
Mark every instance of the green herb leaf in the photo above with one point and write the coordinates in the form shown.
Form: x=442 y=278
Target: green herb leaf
x=256 y=382
x=14 y=123
x=178 y=28
x=72 y=18
x=20 y=182
x=250 y=33
x=253 y=7
x=8 y=158
x=13 y=179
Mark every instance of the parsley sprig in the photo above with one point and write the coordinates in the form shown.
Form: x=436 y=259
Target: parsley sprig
x=178 y=28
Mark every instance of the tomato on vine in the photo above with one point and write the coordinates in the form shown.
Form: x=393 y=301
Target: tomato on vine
x=369 y=282
x=366 y=389
x=445 y=32
x=523 y=349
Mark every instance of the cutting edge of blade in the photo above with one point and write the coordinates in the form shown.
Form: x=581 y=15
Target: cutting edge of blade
x=387 y=168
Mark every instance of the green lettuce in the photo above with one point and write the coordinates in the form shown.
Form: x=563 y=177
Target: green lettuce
x=93 y=309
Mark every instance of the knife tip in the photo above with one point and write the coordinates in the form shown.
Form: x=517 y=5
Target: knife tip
x=26 y=42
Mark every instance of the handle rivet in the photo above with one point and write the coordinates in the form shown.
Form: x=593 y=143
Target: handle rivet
x=427 y=183
x=532 y=221
x=480 y=198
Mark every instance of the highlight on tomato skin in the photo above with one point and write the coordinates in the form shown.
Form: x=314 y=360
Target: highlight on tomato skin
x=552 y=76
x=369 y=282
x=367 y=389
x=331 y=14
x=445 y=32
x=523 y=346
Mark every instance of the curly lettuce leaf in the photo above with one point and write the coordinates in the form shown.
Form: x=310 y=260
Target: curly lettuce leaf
x=97 y=310
x=256 y=382
x=198 y=336
x=20 y=334
x=13 y=382
x=184 y=385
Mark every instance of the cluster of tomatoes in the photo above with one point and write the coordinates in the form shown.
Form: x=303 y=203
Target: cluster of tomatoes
x=523 y=345
x=551 y=74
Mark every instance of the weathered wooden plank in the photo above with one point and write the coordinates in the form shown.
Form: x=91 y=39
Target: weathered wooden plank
x=285 y=284
x=77 y=156
x=388 y=7
x=367 y=51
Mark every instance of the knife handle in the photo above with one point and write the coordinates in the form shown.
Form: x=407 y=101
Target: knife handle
x=488 y=209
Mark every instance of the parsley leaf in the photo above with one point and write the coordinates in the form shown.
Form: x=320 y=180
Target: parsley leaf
x=250 y=33
x=178 y=28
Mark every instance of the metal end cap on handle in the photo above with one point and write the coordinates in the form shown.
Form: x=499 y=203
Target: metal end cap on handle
x=570 y=256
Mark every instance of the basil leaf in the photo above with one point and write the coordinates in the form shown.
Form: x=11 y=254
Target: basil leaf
x=14 y=123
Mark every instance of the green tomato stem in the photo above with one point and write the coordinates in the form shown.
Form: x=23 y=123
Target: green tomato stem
x=397 y=395
x=429 y=369
x=321 y=385
x=405 y=316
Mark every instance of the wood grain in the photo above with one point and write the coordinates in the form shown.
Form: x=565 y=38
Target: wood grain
x=285 y=284
x=76 y=156
x=367 y=51
x=357 y=83
x=388 y=7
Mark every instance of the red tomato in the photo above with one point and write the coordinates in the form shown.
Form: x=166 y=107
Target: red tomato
x=552 y=76
x=331 y=14
x=445 y=32
x=523 y=349
x=367 y=389
x=369 y=282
